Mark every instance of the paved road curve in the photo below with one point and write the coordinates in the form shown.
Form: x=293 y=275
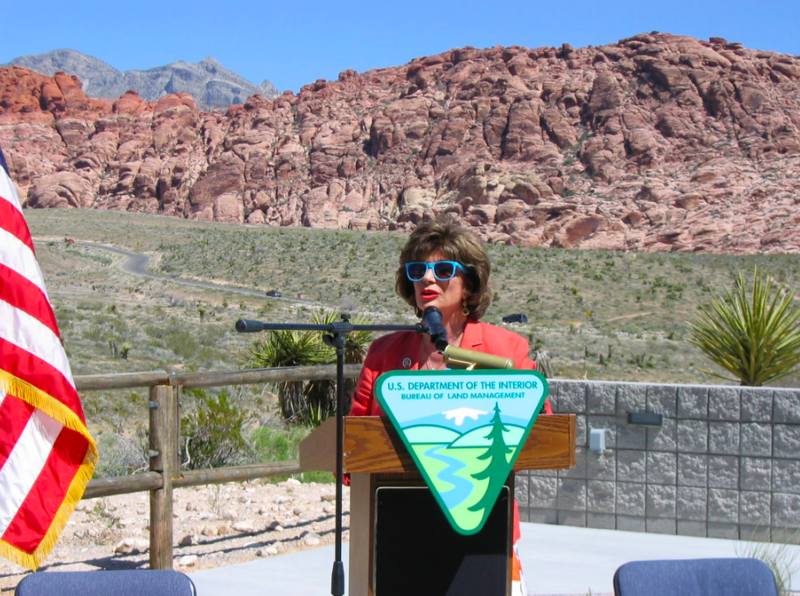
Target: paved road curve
x=136 y=264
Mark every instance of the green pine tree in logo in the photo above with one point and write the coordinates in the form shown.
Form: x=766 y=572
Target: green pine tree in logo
x=497 y=468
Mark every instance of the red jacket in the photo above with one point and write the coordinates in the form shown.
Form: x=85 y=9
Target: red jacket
x=399 y=351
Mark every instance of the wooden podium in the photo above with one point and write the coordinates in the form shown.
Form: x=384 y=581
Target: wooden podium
x=375 y=458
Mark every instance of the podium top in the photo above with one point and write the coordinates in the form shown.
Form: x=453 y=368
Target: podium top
x=371 y=445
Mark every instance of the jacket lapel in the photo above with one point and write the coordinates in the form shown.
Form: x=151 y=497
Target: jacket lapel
x=408 y=352
x=473 y=336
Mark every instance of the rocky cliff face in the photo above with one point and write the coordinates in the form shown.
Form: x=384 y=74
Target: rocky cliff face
x=211 y=85
x=656 y=142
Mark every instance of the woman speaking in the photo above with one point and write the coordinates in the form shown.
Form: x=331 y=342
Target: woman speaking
x=447 y=267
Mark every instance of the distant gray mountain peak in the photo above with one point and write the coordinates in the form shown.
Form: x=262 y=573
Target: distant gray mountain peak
x=211 y=84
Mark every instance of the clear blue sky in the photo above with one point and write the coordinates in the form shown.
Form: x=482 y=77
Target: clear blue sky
x=295 y=42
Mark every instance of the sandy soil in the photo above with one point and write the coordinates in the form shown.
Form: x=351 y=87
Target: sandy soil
x=214 y=526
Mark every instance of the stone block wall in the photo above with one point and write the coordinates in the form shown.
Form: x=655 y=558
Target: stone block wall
x=725 y=463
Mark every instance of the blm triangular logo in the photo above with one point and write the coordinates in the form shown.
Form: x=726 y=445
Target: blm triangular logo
x=464 y=431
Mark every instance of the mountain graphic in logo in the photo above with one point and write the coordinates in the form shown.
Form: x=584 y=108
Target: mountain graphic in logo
x=464 y=431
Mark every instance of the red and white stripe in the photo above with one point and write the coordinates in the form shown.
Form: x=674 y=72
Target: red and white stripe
x=46 y=453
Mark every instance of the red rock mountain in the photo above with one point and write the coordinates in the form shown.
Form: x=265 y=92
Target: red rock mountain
x=657 y=142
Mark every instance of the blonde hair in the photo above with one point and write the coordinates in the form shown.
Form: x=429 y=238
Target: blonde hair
x=456 y=244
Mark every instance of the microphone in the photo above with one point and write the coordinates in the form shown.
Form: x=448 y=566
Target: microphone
x=458 y=357
x=470 y=359
x=432 y=319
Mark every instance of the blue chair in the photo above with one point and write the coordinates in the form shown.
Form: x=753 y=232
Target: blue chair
x=127 y=582
x=695 y=577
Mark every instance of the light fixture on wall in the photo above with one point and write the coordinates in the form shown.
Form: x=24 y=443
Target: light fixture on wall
x=646 y=418
x=597 y=440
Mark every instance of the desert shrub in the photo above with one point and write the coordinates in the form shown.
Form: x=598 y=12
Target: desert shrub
x=182 y=343
x=120 y=455
x=281 y=442
x=215 y=433
x=117 y=412
x=278 y=442
x=119 y=424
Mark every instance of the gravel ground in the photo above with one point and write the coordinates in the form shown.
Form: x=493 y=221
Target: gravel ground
x=214 y=526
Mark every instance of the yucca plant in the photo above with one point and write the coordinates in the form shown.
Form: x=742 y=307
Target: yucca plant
x=288 y=348
x=753 y=335
x=307 y=402
x=321 y=395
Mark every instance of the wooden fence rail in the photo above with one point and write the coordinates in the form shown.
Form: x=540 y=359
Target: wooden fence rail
x=164 y=426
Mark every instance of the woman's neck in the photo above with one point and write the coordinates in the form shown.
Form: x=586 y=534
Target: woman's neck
x=429 y=356
x=455 y=326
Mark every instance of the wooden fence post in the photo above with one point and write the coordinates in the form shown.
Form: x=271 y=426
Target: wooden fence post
x=164 y=474
x=163 y=459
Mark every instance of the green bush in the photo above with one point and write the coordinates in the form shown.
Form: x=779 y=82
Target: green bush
x=282 y=443
x=215 y=433
x=119 y=455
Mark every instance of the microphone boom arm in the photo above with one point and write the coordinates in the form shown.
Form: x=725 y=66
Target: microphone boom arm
x=336 y=338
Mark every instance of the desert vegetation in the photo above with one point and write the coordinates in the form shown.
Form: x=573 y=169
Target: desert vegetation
x=752 y=333
x=597 y=314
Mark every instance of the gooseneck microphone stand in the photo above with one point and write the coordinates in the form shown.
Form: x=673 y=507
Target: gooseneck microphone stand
x=335 y=337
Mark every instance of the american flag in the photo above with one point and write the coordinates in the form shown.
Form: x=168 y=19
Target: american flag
x=47 y=455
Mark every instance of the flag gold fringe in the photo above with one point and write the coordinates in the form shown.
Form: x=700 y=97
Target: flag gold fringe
x=58 y=411
x=43 y=401
x=71 y=500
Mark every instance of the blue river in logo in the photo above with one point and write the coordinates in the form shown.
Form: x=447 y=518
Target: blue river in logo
x=461 y=486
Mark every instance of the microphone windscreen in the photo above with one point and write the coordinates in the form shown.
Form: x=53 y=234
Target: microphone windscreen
x=432 y=317
x=248 y=326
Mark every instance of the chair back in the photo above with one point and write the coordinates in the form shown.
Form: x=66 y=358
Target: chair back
x=695 y=577
x=128 y=582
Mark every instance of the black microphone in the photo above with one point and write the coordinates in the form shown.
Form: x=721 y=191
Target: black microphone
x=432 y=317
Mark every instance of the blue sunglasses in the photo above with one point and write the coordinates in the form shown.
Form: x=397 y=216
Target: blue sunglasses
x=442 y=270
